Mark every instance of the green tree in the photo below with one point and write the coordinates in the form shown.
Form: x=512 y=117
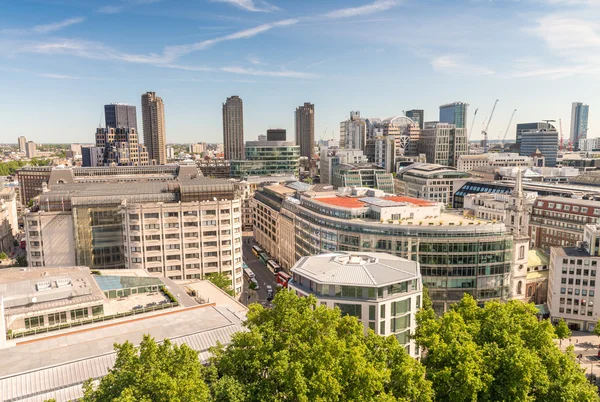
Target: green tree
x=21 y=261
x=221 y=281
x=151 y=373
x=296 y=351
x=500 y=352
x=562 y=330
x=596 y=330
x=3 y=256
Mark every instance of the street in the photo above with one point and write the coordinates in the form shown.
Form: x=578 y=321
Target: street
x=586 y=346
x=263 y=275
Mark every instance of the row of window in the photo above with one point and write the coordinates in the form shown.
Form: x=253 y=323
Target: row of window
x=156 y=215
x=574 y=208
x=577 y=292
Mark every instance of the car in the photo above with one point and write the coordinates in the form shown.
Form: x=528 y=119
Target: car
x=253 y=280
x=269 y=292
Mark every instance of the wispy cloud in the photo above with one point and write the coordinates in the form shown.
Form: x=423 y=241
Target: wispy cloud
x=244 y=71
x=456 y=65
x=44 y=29
x=377 y=6
x=251 y=5
x=124 y=5
x=59 y=76
x=254 y=60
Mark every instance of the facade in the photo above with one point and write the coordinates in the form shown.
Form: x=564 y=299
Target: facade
x=30 y=149
x=22 y=143
x=305 y=129
x=416 y=115
x=155 y=136
x=181 y=229
x=544 y=141
x=362 y=175
x=264 y=158
x=233 y=128
x=537 y=276
x=120 y=115
x=92 y=156
x=589 y=145
x=353 y=132
x=276 y=134
x=197 y=148
x=430 y=182
x=120 y=147
x=443 y=143
x=9 y=225
x=333 y=156
x=579 y=123
x=494 y=206
x=467 y=163
x=537 y=126
x=456 y=255
x=572 y=283
x=30 y=180
x=382 y=290
x=454 y=113
x=214 y=168
x=559 y=221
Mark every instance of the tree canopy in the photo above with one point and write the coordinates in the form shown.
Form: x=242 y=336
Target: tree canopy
x=500 y=352
x=221 y=281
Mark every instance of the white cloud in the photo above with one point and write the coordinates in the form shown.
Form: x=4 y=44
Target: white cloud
x=44 y=29
x=254 y=60
x=282 y=73
x=125 y=4
x=59 y=76
x=250 y=5
x=377 y=6
x=455 y=65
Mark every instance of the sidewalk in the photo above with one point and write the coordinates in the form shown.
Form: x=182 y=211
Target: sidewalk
x=582 y=342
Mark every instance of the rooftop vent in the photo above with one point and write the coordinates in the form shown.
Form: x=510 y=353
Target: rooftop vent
x=41 y=286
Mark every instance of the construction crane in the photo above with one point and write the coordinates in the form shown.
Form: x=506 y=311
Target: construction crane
x=561 y=146
x=570 y=145
x=508 y=127
x=484 y=132
x=472 y=124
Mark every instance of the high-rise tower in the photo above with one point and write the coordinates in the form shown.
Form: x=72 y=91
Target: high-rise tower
x=233 y=128
x=120 y=115
x=153 y=118
x=579 y=123
x=305 y=129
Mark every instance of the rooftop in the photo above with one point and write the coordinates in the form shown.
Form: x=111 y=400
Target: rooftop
x=361 y=202
x=537 y=257
x=365 y=269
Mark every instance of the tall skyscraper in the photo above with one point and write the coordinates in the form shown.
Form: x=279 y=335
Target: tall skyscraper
x=454 y=113
x=538 y=126
x=120 y=115
x=153 y=118
x=276 y=134
x=233 y=128
x=305 y=129
x=353 y=132
x=30 y=149
x=417 y=115
x=579 y=123
x=22 y=143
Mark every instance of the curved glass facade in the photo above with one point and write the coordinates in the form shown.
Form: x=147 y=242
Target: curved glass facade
x=454 y=259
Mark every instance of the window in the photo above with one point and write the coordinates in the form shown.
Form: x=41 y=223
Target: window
x=151 y=226
x=134 y=217
x=136 y=249
x=151 y=215
x=522 y=252
x=190 y=224
x=520 y=287
x=172 y=225
x=171 y=214
x=172 y=246
x=97 y=310
x=152 y=237
x=173 y=257
x=400 y=323
x=79 y=313
x=192 y=255
x=173 y=267
x=174 y=235
x=372 y=313
x=209 y=223
x=400 y=307
x=584 y=210
x=57 y=318
x=190 y=213
x=152 y=248
x=192 y=266
x=34 y=322
x=382 y=328
x=192 y=245
x=136 y=260
x=153 y=259
x=191 y=234
x=382 y=311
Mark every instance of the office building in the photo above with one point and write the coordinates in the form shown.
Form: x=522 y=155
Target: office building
x=233 y=128
x=30 y=149
x=353 y=132
x=418 y=116
x=454 y=113
x=214 y=168
x=579 y=123
x=467 y=163
x=362 y=175
x=333 y=156
x=276 y=134
x=572 y=283
x=92 y=156
x=443 y=143
x=559 y=222
x=264 y=158
x=544 y=142
x=67 y=300
x=381 y=290
x=22 y=143
x=9 y=218
x=180 y=229
x=305 y=129
x=120 y=115
x=120 y=147
x=155 y=136
x=430 y=182
x=589 y=144
x=537 y=126
x=457 y=255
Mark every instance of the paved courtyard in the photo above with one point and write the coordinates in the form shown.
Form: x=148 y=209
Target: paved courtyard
x=125 y=304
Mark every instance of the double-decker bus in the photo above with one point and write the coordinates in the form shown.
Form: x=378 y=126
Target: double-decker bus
x=283 y=278
x=256 y=250
x=273 y=266
x=264 y=257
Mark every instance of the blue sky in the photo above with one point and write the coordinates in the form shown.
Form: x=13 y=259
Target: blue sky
x=62 y=60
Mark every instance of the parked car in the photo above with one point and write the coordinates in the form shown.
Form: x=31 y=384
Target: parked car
x=269 y=293
x=255 y=282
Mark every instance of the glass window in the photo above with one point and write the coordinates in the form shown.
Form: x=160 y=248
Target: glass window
x=350 y=309
x=372 y=313
x=382 y=328
x=382 y=311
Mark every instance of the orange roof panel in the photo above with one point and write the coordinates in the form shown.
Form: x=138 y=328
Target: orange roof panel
x=345 y=202
x=415 y=201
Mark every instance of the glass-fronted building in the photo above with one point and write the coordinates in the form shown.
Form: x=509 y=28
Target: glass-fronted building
x=546 y=141
x=264 y=158
x=454 y=113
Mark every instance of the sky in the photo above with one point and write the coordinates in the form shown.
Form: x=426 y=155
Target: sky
x=62 y=60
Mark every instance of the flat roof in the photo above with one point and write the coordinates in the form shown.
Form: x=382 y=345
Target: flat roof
x=56 y=365
x=363 y=201
x=357 y=268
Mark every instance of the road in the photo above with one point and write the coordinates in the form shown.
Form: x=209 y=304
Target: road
x=264 y=276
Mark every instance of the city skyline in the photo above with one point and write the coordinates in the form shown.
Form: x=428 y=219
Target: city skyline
x=263 y=53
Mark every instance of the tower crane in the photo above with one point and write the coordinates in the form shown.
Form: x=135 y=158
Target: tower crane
x=472 y=124
x=561 y=146
x=485 y=131
x=508 y=127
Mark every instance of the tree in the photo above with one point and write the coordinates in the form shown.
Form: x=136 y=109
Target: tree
x=596 y=330
x=3 y=256
x=221 y=281
x=21 y=261
x=297 y=351
x=151 y=373
x=498 y=352
x=562 y=330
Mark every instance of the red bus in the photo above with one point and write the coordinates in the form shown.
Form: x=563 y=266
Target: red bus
x=283 y=278
x=23 y=244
